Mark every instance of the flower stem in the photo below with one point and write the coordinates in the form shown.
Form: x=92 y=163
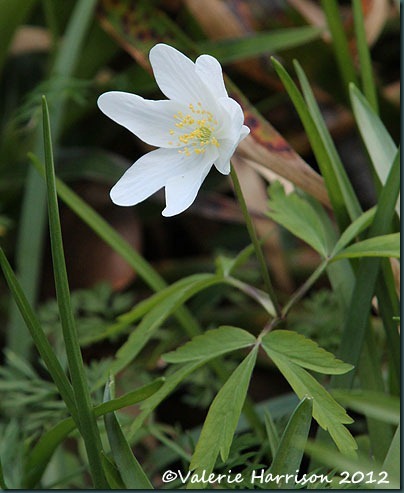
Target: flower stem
x=297 y=296
x=253 y=235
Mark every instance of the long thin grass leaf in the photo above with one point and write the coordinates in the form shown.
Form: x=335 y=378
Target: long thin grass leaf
x=131 y=471
x=88 y=425
x=358 y=313
x=365 y=63
x=339 y=42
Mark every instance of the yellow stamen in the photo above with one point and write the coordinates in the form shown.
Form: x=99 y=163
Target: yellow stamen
x=201 y=130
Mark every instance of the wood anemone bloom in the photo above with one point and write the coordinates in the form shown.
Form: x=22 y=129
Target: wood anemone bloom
x=197 y=127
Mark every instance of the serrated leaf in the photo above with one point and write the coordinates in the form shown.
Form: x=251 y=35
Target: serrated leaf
x=297 y=216
x=211 y=344
x=291 y=447
x=220 y=424
x=378 y=246
x=304 y=352
x=129 y=468
x=326 y=411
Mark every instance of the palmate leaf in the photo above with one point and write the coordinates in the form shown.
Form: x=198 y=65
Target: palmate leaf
x=299 y=217
x=211 y=344
x=326 y=411
x=221 y=422
x=303 y=352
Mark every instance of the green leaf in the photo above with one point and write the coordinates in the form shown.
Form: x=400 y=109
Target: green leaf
x=232 y=50
x=221 y=422
x=354 y=229
x=297 y=216
x=340 y=44
x=377 y=405
x=40 y=456
x=41 y=341
x=170 y=384
x=323 y=158
x=357 y=317
x=350 y=199
x=130 y=470
x=330 y=458
x=88 y=426
x=118 y=244
x=326 y=411
x=272 y=432
x=291 y=447
x=392 y=461
x=379 y=246
x=379 y=144
x=365 y=61
x=112 y=474
x=153 y=320
x=211 y=344
x=303 y=352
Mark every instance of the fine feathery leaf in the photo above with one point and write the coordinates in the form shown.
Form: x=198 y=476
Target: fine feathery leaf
x=211 y=344
x=220 y=424
x=304 y=352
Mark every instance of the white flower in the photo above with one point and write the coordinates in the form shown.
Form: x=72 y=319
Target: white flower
x=198 y=126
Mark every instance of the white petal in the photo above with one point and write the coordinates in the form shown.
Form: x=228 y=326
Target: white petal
x=232 y=119
x=182 y=190
x=177 y=78
x=151 y=121
x=147 y=175
x=210 y=71
x=227 y=149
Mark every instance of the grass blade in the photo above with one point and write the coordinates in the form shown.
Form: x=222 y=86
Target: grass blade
x=339 y=42
x=88 y=425
x=131 y=472
x=358 y=312
x=291 y=447
x=368 y=81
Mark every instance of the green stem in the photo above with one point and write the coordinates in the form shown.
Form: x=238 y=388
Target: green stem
x=88 y=425
x=253 y=235
x=298 y=295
